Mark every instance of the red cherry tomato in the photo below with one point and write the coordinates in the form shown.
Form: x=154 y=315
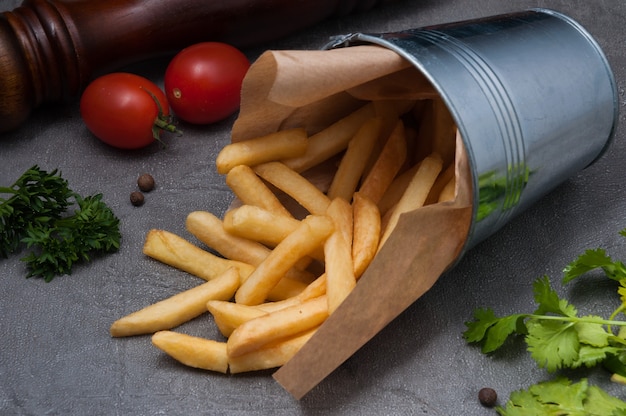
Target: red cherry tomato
x=203 y=82
x=125 y=110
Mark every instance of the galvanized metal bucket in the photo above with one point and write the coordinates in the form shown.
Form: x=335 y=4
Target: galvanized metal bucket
x=532 y=95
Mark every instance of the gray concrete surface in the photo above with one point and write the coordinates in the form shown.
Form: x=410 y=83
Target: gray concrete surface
x=56 y=355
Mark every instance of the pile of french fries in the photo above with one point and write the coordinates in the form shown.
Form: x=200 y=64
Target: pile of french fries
x=282 y=271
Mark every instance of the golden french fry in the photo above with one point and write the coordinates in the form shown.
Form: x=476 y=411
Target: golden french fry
x=295 y=185
x=229 y=315
x=366 y=234
x=396 y=189
x=340 y=279
x=259 y=224
x=269 y=307
x=353 y=162
x=180 y=253
x=210 y=230
x=390 y=112
x=270 y=356
x=314 y=289
x=178 y=309
x=192 y=351
x=440 y=185
x=282 y=324
x=415 y=194
x=447 y=193
x=268 y=228
x=282 y=144
x=251 y=190
x=285 y=289
x=310 y=234
x=340 y=212
x=175 y=251
x=387 y=165
x=332 y=140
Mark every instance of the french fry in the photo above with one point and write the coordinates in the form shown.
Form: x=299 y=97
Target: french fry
x=340 y=279
x=340 y=212
x=352 y=165
x=332 y=140
x=294 y=185
x=311 y=233
x=416 y=193
x=278 y=325
x=282 y=144
x=175 y=251
x=366 y=234
x=210 y=230
x=447 y=193
x=192 y=351
x=390 y=112
x=178 y=309
x=229 y=315
x=265 y=227
x=313 y=290
x=387 y=165
x=397 y=188
x=440 y=184
x=251 y=190
x=259 y=224
x=270 y=356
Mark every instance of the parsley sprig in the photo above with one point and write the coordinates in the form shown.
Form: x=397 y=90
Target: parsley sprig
x=36 y=215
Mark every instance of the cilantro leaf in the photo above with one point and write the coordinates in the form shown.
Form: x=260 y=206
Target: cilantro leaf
x=552 y=344
x=594 y=259
x=492 y=331
x=549 y=301
x=562 y=397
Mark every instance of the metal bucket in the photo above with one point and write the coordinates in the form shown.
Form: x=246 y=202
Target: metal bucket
x=532 y=95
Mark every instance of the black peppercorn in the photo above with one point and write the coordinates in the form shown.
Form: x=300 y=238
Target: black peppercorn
x=146 y=182
x=136 y=198
x=487 y=397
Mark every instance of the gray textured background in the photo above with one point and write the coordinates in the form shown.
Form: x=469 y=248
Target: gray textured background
x=56 y=356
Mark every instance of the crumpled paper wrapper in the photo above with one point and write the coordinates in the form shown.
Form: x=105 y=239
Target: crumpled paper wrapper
x=312 y=89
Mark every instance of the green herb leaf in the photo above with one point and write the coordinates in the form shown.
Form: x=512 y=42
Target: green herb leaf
x=549 y=301
x=492 y=331
x=34 y=216
x=562 y=397
x=35 y=199
x=594 y=259
x=552 y=344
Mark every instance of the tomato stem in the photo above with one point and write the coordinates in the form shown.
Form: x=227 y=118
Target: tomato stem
x=162 y=122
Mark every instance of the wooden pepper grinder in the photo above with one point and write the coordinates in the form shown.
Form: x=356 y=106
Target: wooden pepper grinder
x=50 y=49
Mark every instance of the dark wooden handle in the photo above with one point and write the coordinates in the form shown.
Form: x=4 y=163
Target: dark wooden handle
x=50 y=49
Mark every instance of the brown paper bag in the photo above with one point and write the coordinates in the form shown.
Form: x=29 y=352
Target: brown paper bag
x=312 y=89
